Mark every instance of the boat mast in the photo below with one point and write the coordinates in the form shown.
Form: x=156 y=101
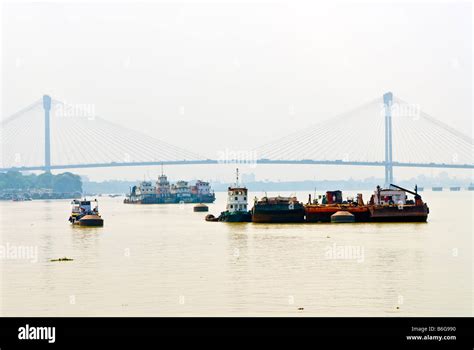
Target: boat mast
x=237 y=177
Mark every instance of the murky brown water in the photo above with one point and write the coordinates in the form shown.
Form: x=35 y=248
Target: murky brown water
x=166 y=260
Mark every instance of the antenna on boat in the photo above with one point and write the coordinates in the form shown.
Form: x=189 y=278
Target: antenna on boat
x=237 y=177
x=161 y=169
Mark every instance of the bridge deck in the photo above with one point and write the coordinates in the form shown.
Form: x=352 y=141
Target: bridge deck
x=259 y=161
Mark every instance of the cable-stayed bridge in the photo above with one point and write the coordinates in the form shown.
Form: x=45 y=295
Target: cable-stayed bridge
x=386 y=132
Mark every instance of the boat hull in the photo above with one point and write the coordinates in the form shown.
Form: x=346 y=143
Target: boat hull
x=90 y=220
x=154 y=199
x=406 y=213
x=278 y=215
x=235 y=217
x=368 y=213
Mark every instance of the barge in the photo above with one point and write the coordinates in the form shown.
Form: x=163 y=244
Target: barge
x=385 y=205
x=278 y=210
x=84 y=213
x=392 y=205
x=331 y=203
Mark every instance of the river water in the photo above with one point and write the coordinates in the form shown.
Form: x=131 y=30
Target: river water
x=165 y=260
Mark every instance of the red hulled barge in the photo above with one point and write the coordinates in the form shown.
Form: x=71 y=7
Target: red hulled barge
x=385 y=205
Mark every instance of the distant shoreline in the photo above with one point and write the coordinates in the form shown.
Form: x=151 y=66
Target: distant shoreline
x=123 y=187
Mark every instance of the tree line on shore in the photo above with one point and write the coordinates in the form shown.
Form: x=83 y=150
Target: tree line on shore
x=60 y=183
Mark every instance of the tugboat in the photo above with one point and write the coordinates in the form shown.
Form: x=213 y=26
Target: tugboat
x=85 y=214
x=236 y=204
x=278 y=210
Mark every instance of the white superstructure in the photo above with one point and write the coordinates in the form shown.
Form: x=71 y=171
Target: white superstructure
x=146 y=187
x=389 y=196
x=163 y=185
x=237 y=197
x=203 y=188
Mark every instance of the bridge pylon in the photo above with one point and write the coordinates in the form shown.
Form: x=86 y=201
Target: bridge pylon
x=387 y=101
x=47 y=133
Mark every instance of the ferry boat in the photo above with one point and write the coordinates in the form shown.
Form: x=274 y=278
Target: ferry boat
x=278 y=210
x=237 y=204
x=85 y=213
x=163 y=192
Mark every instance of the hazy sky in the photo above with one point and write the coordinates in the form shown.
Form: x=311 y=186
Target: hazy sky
x=213 y=75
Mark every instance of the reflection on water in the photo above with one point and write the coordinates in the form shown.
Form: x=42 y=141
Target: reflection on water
x=166 y=260
x=85 y=237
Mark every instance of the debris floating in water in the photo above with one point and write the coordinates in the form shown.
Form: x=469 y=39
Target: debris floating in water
x=62 y=259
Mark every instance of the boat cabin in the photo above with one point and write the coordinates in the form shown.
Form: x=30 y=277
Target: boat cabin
x=237 y=199
x=84 y=206
x=203 y=188
x=145 y=187
x=163 y=185
x=334 y=197
x=389 y=197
